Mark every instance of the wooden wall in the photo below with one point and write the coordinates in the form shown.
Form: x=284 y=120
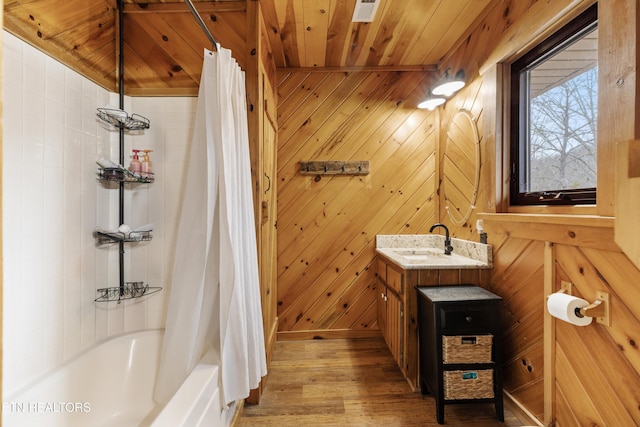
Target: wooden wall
x=327 y=224
x=558 y=372
x=594 y=371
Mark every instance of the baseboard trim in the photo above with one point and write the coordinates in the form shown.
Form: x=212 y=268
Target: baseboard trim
x=271 y=340
x=523 y=414
x=327 y=334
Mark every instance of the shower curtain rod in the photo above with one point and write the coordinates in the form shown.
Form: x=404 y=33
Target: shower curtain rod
x=198 y=18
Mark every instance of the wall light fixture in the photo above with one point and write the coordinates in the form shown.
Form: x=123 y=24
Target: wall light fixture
x=432 y=102
x=448 y=85
x=444 y=89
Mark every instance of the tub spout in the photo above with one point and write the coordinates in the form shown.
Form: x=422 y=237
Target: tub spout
x=447 y=241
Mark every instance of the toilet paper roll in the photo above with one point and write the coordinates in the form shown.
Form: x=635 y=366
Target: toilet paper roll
x=563 y=306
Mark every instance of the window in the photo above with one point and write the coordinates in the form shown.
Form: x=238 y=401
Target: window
x=554 y=90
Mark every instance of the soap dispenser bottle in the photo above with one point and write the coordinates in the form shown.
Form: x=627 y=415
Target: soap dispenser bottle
x=135 y=166
x=146 y=166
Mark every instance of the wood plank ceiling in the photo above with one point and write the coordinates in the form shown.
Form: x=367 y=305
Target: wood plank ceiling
x=164 y=45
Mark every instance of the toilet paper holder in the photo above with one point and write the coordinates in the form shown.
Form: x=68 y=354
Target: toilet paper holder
x=598 y=309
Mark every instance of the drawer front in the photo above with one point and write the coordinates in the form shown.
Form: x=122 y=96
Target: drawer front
x=470 y=384
x=467 y=318
x=394 y=280
x=466 y=348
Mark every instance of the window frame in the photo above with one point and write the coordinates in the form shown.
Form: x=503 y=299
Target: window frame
x=520 y=101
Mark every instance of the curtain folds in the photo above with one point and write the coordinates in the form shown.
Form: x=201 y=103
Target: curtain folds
x=214 y=299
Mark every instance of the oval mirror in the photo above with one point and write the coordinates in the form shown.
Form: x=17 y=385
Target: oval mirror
x=461 y=167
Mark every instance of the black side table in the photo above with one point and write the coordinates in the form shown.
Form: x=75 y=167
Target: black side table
x=460 y=348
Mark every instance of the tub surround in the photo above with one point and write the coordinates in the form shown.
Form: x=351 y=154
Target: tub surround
x=125 y=368
x=54 y=267
x=426 y=251
x=197 y=401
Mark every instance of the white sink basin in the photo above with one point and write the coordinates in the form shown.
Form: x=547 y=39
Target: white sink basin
x=419 y=252
x=427 y=252
x=420 y=255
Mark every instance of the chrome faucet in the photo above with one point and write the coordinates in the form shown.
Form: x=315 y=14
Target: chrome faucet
x=447 y=241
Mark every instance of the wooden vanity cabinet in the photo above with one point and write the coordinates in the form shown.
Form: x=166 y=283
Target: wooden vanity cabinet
x=398 y=307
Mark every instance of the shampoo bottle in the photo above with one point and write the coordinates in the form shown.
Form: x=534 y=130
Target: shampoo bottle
x=146 y=166
x=135 y=166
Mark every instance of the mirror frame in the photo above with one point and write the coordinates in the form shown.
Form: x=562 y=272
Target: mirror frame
x=458 y=217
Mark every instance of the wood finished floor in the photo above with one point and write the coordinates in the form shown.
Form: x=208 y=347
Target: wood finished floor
x=350 y=382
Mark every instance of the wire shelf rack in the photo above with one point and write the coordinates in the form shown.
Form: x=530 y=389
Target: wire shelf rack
x=130 y=290
x=124 y=175
x=122 y=120
x=104 y=237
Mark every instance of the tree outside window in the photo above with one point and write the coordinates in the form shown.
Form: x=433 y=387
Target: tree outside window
x=554 y=109
x=563 y=135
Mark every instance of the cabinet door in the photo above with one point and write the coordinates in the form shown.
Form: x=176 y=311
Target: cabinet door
x=391 y=309
x=395 y=327
x=267 y=230
x=382 y=309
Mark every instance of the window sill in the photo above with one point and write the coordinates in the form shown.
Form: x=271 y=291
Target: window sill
x=554 y=210
x=551 y=219
x=589 y=231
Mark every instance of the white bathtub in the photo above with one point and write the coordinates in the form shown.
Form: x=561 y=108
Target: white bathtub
x=112 y=385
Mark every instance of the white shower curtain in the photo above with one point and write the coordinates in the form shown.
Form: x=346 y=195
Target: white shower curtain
x=215 y=295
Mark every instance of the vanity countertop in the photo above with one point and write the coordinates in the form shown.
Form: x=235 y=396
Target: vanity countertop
x=426 y=251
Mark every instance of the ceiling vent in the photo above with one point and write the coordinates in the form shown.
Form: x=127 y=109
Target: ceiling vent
x=365 y=10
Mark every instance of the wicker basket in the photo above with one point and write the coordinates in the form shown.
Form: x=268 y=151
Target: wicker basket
x=468 y=384
x=466 y=348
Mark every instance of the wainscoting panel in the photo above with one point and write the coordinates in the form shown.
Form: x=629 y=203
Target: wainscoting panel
x=596 y=378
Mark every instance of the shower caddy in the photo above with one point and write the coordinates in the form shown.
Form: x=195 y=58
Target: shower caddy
x=123 y=122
